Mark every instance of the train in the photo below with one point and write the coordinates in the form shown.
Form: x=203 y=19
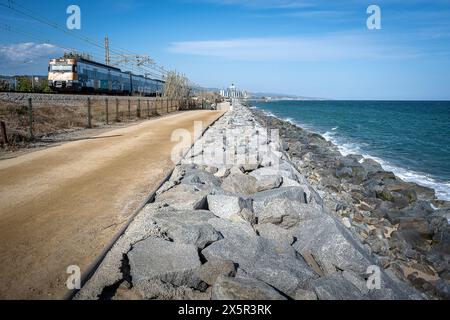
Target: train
x=81 y=75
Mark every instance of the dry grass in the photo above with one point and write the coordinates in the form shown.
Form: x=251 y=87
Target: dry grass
x=47 y=120
x=53 y=118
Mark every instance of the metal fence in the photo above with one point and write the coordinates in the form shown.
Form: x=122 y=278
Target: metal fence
x=33 y=118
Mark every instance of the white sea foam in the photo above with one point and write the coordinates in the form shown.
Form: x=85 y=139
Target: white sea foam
x=442 y=188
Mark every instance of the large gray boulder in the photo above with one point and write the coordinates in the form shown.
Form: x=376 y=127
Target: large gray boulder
x=270 y=261
x=184 y=197
x=287 y=213
x=240 y=184
x=228 y=206
x=263 y=199
x=187 y=227
x=269 y=183
x=331 y=244
x=158 y=259
x=243 y=289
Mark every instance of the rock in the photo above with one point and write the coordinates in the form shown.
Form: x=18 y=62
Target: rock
x=222 y=173
x=159 y=290
x=240 y=231
x=418 y=192
x=420 y=209
x=249 y=216
x=200 y=177
x=420 y=225
x=263 y=173
x=243 y=289
x=273 y=232
x=397 y=198
x=184 y=197
x=344 y=172
x=211 y=270
x=269 y=183
x=289 y=183
x=412 y=238
x=359 y=282
x=240 y=184
x=443 y=289
x=335 y=287
x=347 y=223
x=371 y=166
x=187 y=227
x=228 y=207
x=249 y=167
x=442 y=242
x=282 y=212
x=305 y=295
x=263 y=199
x=331 y=244
x=275 y=263
x=157 y=259
x=271 y=158
x=359 y=174
x=236 y=170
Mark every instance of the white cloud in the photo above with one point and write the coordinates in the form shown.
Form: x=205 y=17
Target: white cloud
x=320 y=48
x=27 y=52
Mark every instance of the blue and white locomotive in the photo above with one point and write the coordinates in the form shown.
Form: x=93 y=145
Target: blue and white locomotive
x=82 y=75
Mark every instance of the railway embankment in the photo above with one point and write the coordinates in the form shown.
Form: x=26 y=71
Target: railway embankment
x=237 y=219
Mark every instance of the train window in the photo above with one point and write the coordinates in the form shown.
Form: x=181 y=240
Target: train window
x=62 y=68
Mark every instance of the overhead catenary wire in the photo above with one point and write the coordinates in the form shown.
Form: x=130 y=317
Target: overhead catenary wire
x=154 y=70
x=12 y=5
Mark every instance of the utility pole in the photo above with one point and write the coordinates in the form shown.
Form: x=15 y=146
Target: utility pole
x=107 y=58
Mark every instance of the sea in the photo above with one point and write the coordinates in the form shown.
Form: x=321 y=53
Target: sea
x=409 y=138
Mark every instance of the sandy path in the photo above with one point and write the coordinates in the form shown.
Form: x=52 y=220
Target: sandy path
x=61 y=206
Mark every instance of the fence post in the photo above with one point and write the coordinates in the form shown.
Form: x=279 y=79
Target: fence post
x=4 y=141
x=148 y=109
x=129 y=109
x=89 y=112
x=107 y=110
x=138 y=113
x=167 y=105
x=30 y=118
x=117 y=110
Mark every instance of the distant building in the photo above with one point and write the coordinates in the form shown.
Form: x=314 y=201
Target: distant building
x=232 y=92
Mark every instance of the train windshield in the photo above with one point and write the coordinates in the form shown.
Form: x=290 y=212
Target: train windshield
x=61 y=67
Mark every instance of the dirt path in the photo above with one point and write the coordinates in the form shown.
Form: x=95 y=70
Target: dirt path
x=61 y=206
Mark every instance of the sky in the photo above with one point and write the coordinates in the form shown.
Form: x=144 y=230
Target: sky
x=308 y=48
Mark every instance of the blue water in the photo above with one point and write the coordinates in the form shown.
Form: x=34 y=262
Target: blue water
x=410 y=138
